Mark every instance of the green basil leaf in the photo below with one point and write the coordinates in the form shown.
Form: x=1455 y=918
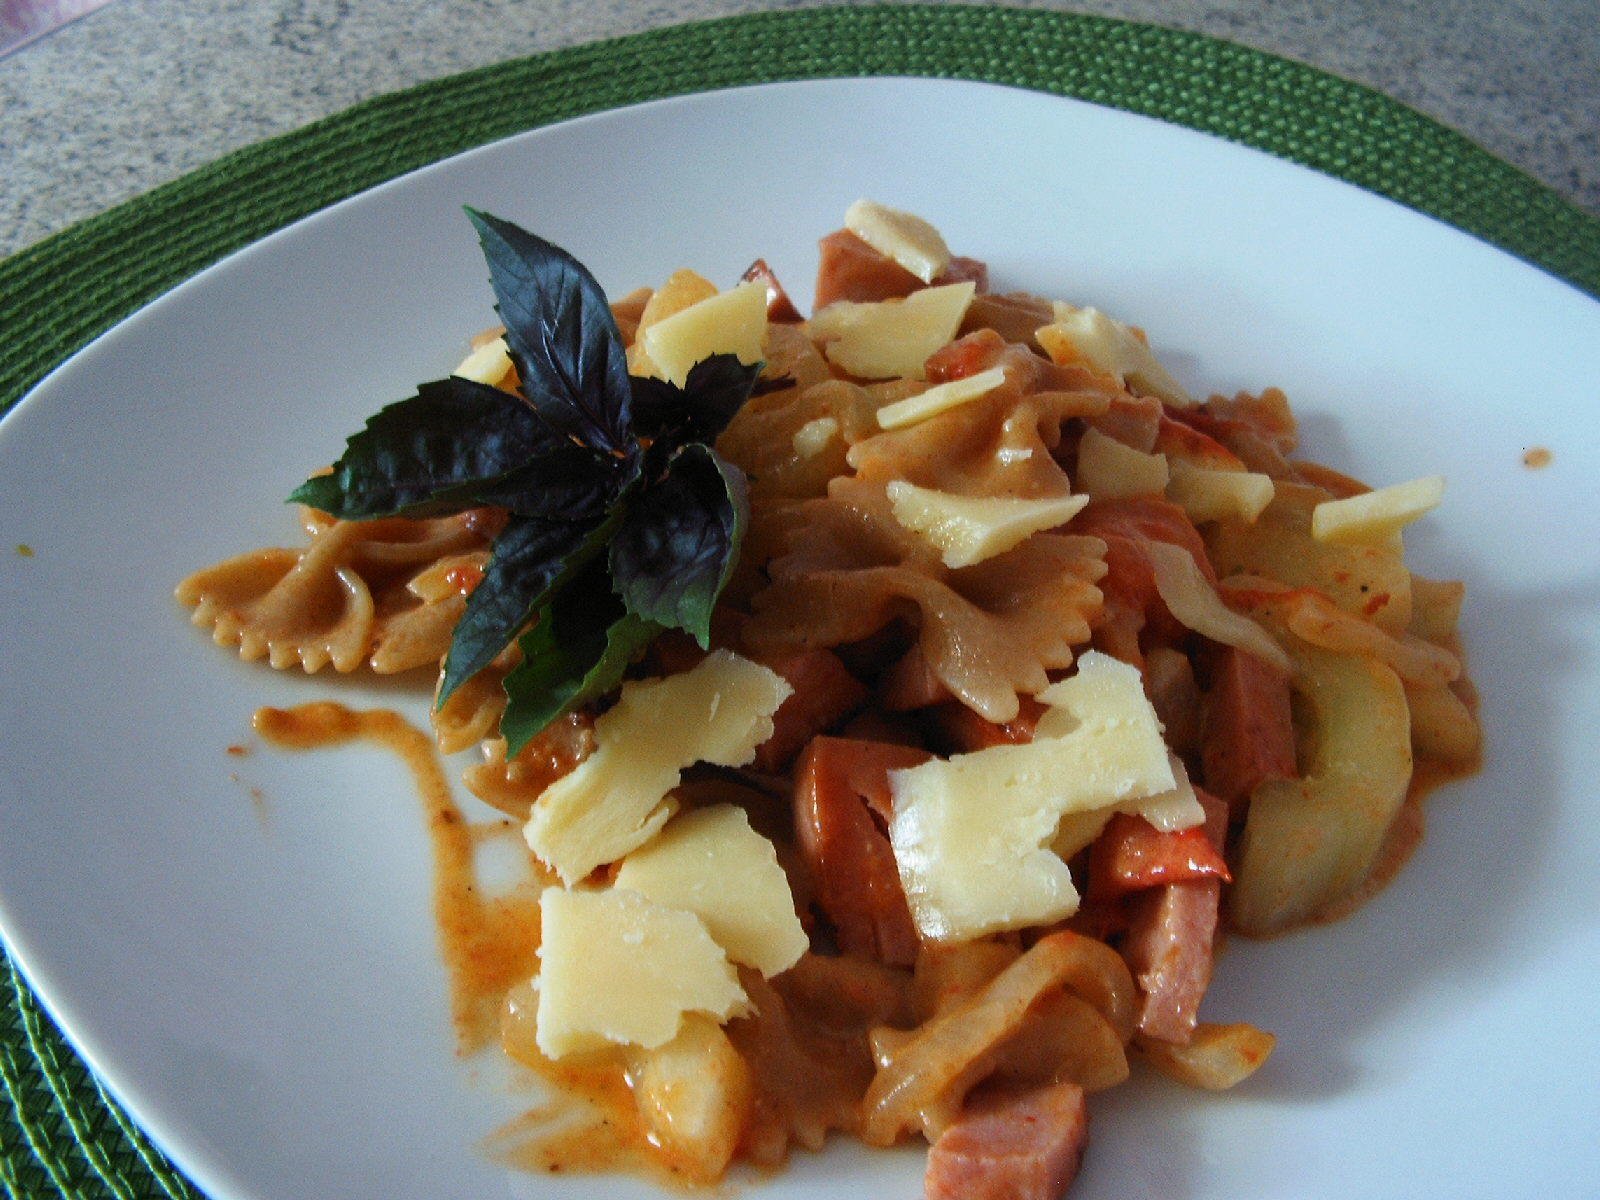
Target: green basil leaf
x=530 y=559
x=679 y=541
x=576 y=652
x=561 y=333
x=698 y=411
x=437 y=452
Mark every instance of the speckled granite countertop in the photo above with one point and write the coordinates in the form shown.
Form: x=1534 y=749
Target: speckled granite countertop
x=142 y=91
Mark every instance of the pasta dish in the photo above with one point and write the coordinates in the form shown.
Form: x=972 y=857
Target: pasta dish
x=896 y=706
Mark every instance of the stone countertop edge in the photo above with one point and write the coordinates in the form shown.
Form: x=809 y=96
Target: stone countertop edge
x=140 y=92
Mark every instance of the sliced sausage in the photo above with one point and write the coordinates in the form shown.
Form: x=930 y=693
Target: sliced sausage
x=1132 y=855
x=1011 y=1146
x=849 y=269
x=1249 y=726
x=964 y=731
x=780 y=309
x=1014 y=315
x=963 y=270
x=842 y=802
x=1128 y=526
x=824 y=695
x=1171 y=937
x=1168 y=948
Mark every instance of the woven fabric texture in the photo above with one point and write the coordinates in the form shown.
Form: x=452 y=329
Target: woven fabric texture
x=60 y=1135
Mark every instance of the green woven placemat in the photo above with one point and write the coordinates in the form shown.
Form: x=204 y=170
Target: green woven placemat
x=59 y=1133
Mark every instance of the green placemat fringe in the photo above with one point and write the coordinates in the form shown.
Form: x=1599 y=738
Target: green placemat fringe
x=59 y=1134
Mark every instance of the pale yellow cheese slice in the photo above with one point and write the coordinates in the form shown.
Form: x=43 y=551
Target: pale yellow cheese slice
x=1109 y=470
x=891 y=339
x=940 y=398
x=1208 y=494
x=617 y=968
x=1169 y=811
x=1106 y=345
x=907 y=239
x=489 y=363
x=711 y=863
x=971 y=833
x=682 y=288
x=812 y=438
x=731 y=322
x=1175 y=809
x=615 y=800
x=1375 y=517
x=969 y=529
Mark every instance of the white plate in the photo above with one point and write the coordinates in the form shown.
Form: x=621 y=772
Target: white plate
x=257 y=979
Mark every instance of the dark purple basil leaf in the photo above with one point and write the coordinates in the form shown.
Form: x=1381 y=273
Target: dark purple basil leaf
x=530 y=559
x=435 y=453
x=679 y=541
x=699 y=410
x=561 y=333
x=570 y=483
x=765 y=387
x=576 y=652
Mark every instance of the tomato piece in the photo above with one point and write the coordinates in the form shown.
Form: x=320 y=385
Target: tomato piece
x=780 y=309
x=1131 y=855
x=1138 y=519
x=1179 y=440
x=1128 y=526
x=966 y=356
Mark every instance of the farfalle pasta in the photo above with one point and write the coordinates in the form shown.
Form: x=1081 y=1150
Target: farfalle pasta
x=988 y=633
x=345 y=599
x=1003 y=679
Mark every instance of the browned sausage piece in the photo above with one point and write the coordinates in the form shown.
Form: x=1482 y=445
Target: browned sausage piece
x=1249 y=728
x=1168 y=949
x=824 y=695
x=1010 y=1145
x=780 y=309
x=841 y=803
x=849 y=269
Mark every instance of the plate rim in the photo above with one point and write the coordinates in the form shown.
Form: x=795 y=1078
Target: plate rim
x=669 y=98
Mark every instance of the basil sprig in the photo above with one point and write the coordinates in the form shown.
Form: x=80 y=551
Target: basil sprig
x=623 y=521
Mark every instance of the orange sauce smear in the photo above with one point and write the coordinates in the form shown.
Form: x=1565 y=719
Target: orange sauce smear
x=488 y=942
x=489 y=945
x=590 y=1126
